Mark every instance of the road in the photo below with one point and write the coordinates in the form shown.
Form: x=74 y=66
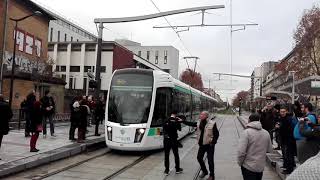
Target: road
x=106 y=164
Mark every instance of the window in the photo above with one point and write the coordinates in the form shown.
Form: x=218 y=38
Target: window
x=148 y=55
x=58 y=36
x=51 y=34
x=103 y=69
x=157 y=57
x=162 y=106
x=74 y=68
x=139 y=53
x=63 y=76
x=65 y=37
x=71 y=38
x=165 y=57
x=63 y=68
x=57 y=68
x=85 y=83
x=71 y=83
x=87 y=68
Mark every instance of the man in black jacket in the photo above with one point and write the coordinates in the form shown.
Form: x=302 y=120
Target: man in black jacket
x=208 y=135
x=6 y=115
x=286 y=139
x=268 y=116
x=170 y=141
x=48 y=106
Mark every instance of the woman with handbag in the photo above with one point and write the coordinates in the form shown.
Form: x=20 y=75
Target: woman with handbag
x=35 y=125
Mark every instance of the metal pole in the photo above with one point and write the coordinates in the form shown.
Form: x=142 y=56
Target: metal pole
x=87 y=86
x=13 y=63
x=2 y=54
x=98 y=63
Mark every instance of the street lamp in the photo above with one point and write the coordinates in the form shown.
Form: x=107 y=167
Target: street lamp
x=36 y=13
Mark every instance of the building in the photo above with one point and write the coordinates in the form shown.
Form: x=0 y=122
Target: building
x=73 y=61
x=32 y=72
x=62 y=30
x=165 y=57
x=256 y=83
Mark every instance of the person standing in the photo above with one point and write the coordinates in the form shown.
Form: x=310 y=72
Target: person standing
x=170 y=141
x=82 y=123
x=208 y=135
x=48 y=106
x=31 y=98
x=268 y=116
x=74 y=118
x=35 y=125
x=287 y=140
x=6 y=115
x=304 y=146
x=99 y=115
x=253 y=147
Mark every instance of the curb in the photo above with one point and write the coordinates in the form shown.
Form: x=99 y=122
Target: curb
x=47 y=157
x=272 y=158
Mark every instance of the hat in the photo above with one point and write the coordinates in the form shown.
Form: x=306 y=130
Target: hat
x=76 y=104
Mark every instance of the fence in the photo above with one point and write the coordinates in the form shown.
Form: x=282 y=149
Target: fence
x=19 y=118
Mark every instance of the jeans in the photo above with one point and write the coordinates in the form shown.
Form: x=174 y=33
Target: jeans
x=209 y=149
x=168 y=145
x=44 y=123
x=249 y=175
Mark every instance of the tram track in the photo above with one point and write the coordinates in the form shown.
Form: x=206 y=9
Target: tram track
x=197 y=174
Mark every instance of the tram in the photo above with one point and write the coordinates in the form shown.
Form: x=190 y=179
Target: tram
x=138 y=103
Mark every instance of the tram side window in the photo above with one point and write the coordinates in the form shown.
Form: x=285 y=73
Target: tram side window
x=162 y=106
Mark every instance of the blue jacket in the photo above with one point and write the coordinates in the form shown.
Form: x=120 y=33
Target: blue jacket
x=296 y=131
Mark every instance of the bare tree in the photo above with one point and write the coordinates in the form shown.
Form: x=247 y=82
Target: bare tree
x=307 y=51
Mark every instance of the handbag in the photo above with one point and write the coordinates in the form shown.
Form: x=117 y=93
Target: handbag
x=39 y=128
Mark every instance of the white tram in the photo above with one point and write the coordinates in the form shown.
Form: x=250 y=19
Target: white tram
x=138 y=103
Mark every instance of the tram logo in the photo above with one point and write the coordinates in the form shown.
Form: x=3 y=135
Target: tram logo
x=122 y=131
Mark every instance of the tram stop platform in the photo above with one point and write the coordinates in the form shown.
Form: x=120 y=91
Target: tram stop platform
x=15 y=150
x=226 y=166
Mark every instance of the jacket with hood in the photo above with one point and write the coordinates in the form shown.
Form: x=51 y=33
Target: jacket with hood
x=253 y=147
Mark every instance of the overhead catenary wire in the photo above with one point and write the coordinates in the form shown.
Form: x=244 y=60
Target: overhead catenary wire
x=182 y=42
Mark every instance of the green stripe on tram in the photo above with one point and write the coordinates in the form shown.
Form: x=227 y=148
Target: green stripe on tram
x=152 y=132
x=179 y=88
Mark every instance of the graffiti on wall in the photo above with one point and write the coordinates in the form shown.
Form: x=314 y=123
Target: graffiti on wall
x=24 y=64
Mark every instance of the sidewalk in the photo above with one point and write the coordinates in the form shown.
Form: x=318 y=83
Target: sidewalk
x=274 y=159
x=15 y=150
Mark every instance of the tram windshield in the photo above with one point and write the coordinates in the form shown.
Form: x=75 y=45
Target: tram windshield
x=130 y=98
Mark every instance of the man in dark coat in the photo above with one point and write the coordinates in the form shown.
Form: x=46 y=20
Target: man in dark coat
x=74 y=118
x=31 y=98
x=99 y=115
x=48 y=106
x=6 y=115
x=287 y=140
x=268 y=116
x=170 y=141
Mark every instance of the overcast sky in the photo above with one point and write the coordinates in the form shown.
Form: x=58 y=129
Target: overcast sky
x=271 y=40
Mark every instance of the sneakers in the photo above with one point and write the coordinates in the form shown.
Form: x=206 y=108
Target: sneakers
x=179 y=171
x=166 y=172
x=203 y=174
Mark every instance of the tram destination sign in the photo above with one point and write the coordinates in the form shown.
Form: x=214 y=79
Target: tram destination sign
x=315 y=84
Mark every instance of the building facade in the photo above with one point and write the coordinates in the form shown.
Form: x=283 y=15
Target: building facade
x=31 y=52
x=73 y=61
x=165 y=57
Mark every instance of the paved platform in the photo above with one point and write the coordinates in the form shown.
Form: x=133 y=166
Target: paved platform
x=226 y=167
x=15 y=150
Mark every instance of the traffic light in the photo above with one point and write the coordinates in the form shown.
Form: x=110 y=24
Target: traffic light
x=93 y=84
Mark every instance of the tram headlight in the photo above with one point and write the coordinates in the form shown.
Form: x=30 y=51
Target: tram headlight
x=109 y=133
x=139 y=135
